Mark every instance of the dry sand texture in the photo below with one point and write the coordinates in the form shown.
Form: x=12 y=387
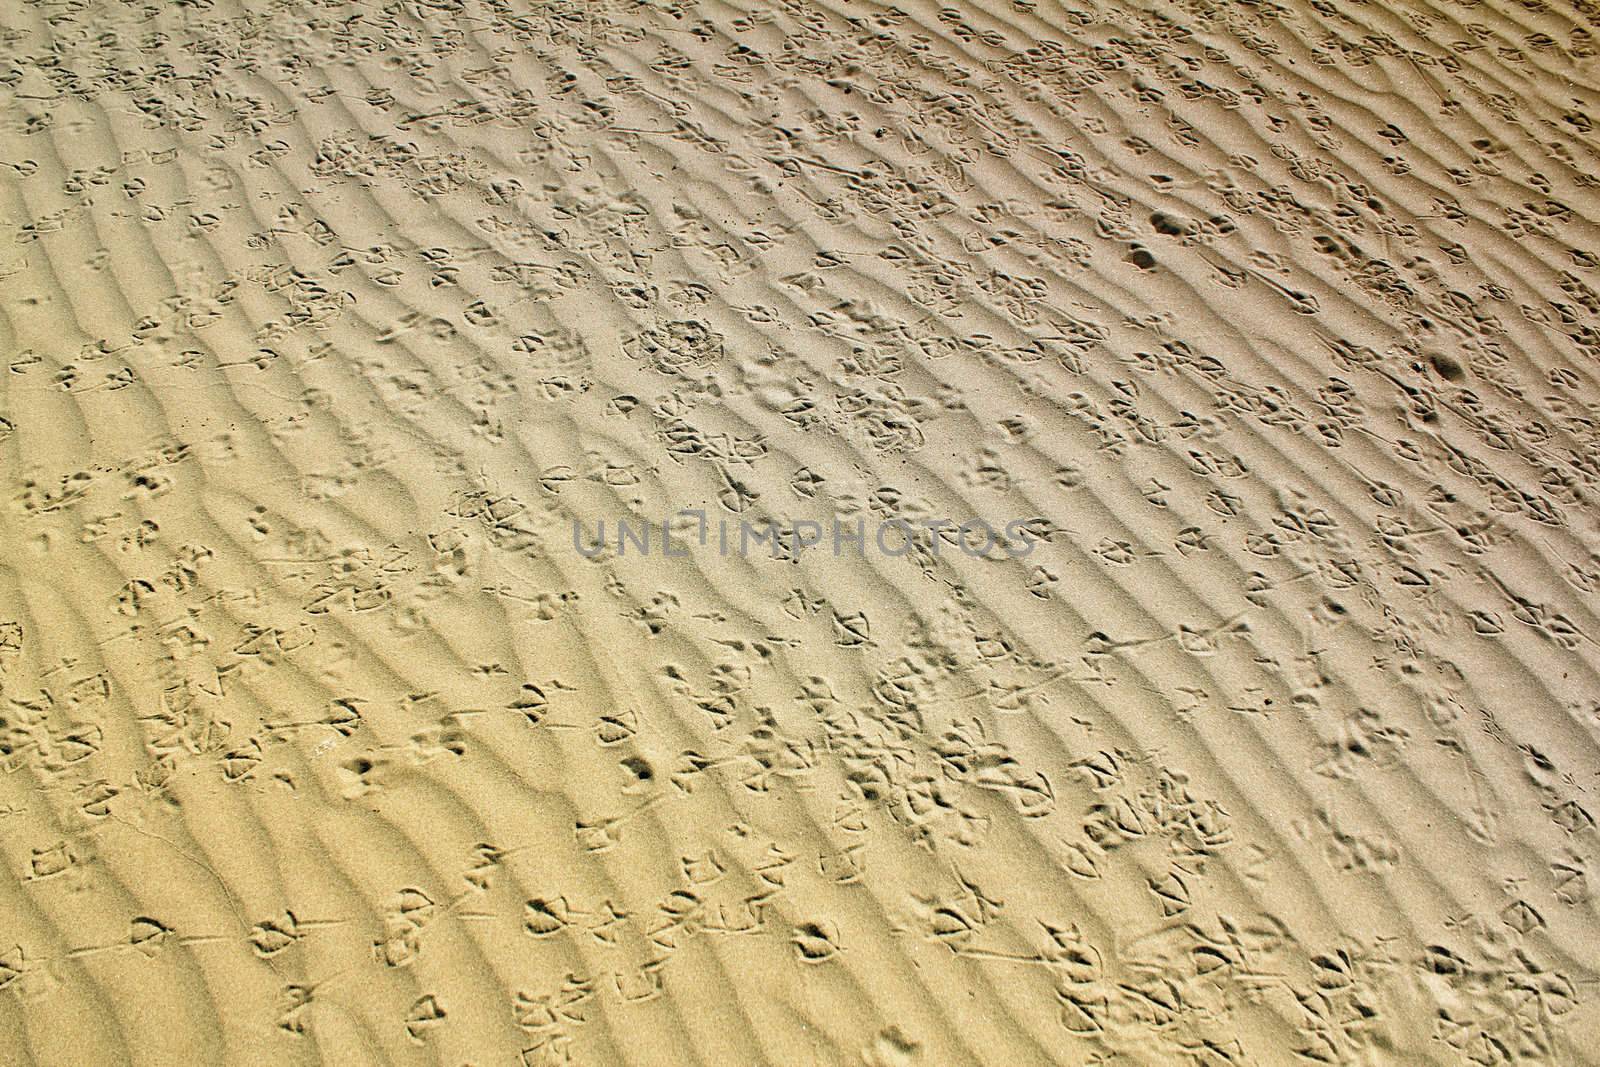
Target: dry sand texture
x=324 y=742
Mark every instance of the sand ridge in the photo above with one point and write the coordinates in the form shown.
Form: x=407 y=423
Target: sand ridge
x=333 y=333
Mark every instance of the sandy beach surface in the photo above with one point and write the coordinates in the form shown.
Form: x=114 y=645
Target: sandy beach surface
x=818 y=532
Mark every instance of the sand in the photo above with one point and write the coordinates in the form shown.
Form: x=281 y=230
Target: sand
x=339 y=725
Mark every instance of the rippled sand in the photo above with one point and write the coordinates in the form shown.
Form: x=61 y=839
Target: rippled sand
x=1266 y=734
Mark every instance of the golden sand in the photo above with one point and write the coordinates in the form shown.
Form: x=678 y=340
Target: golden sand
x=1263 y=336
